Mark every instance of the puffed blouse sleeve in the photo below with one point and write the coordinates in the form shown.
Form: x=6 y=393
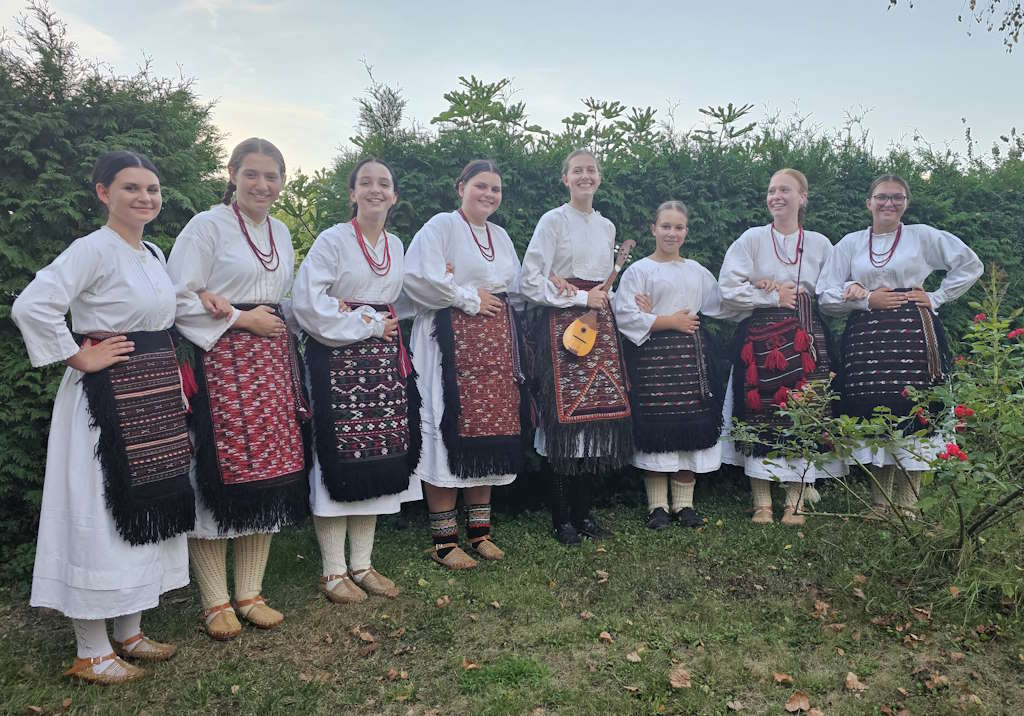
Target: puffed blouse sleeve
x=739 y=295
x=316 y=311
x=40 y=310
x=426 y=281
x=538 y=261
x=190 y=266
x=633 y=323
x=963 y=267
x=711 y=304
x=834 y=278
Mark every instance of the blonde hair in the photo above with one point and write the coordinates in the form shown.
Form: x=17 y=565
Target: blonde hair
x=579 y=153
x=801 y=182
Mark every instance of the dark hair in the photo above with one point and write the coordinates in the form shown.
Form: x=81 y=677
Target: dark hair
x=108 y=165
x=889 y=177
x=580 y=153
x=477 y=166
x=672 y=205
x=354 y=174
x=252 y=145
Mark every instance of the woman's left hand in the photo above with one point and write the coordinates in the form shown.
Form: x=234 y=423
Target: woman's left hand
x=920 y=297
x=215 y=305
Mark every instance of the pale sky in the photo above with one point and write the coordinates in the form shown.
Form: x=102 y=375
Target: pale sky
x=290 y=71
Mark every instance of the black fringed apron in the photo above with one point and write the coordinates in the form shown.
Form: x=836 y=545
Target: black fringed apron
x=583 y=396
x=482 y=381
x=361 y=415
x=779 y=350
x=247 y=415
x=886 y=350
x=143 y=447
x=676 y=402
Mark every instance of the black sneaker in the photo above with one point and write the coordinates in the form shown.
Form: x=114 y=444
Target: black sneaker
x=658 y=519
x=567 y=534
x=689 y=517
x=589 y=528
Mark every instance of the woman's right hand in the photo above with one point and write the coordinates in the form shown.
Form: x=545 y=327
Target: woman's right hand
x=261 y=321
x=854 y=292
x=685 y=321
x=489 y=305
x=94 y=357
x=596 y=298
x=390 y=329
x=765 y=284
x=787 y=294
x=885 y=298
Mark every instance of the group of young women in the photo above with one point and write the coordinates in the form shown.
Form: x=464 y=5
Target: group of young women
x=188 y=417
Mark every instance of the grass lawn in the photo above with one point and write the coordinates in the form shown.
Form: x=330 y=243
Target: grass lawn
x=751 y=613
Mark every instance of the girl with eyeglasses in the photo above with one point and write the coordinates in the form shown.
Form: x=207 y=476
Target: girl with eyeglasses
x=893 y=337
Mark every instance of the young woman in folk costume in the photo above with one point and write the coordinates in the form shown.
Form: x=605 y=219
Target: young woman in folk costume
x=893 y=337
x=676 y=395
x=232 y=267
x=462 y=274
x=357 y=370
x=116 y=497
x=585 y=427
x=767 y=280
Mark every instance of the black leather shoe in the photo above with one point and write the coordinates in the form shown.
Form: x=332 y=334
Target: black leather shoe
x=689 y=517
x=658 y=519
x=589 y=528
x=567 y=534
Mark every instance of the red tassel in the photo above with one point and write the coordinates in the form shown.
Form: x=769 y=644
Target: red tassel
x=808 y=363
x=754 y=400
x=800 y=384
x=801 y=341
x=776 y=361
x=752 y=374
x=747 y=354
x=780 y=396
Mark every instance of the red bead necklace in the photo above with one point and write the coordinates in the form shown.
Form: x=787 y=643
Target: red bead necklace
x=486 y=251
x=880 y=259
x=778 y=254
x=382 y=267
x=269 y=260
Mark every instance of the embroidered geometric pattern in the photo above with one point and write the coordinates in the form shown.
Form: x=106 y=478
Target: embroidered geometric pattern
x=485 y=374
x=670 y=375
x=253 y=406
x=147 y=391
x=588 y=388
x=368 y=401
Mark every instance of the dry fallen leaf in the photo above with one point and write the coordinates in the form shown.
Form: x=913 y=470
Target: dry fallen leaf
x=397 y=633
x=736 y=705
x=496 y=604
x=451 y=582
x=367 y=637
x=937 y=681
x=820 y=609
x=468 y=665
x=799 y=701
x=304 y=677
x=859 y=593
x=782 y=677
x=443 y=602
x=902 y=691
x=474 y=617
x=955 y=657
x=835 y=627
x=815 y=712
x=602 y=576
x=853 y=683
x=585 y=615
x=66 y=703
x=34 y=709
x=391 y=674
x=368 y=649
x=601 y=550
x=921 y=614
x=234 y=688
x=632 y=689
x=881 y=621
x=841 y=651
x=328 y=639
x=860 y=579
x=633 y=657
x=605 y=637
x=322 y=677
x=954 y=591
x=679 y=677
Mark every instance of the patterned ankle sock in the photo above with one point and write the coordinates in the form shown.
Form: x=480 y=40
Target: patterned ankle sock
x=682 y=494
x=445 y=528
x=657 y=492
x=478 y=521
x=251 y=553
x=209 y=566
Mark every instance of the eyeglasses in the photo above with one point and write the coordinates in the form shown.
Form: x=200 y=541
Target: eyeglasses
x=886 y=198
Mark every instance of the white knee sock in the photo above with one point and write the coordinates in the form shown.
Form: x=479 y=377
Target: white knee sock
x=794 y=496
x=127 y=626
x=209 y=566
x=360 y=533
x=251 y=553
x=91 y=637
x=330 y=533
x=657 y=492
x=761 y=491
x=682 y=494
x=884 y=477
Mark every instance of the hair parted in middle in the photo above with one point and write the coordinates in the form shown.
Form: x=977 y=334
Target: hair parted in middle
x=671 y=205
x=580 y=153
x=354 y=174
x=477 y=166
x=252 y=145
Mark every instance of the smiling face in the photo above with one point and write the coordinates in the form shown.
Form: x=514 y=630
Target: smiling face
x=785 y=198
x=481 y=196
x=887 y=203
x=133 y=198
x=670 y=232
x=374 y=192
x=258 y=183
x=583 y=177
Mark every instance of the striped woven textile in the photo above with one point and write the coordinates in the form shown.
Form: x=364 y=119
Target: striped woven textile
x=144 y=447
x=482 y=379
